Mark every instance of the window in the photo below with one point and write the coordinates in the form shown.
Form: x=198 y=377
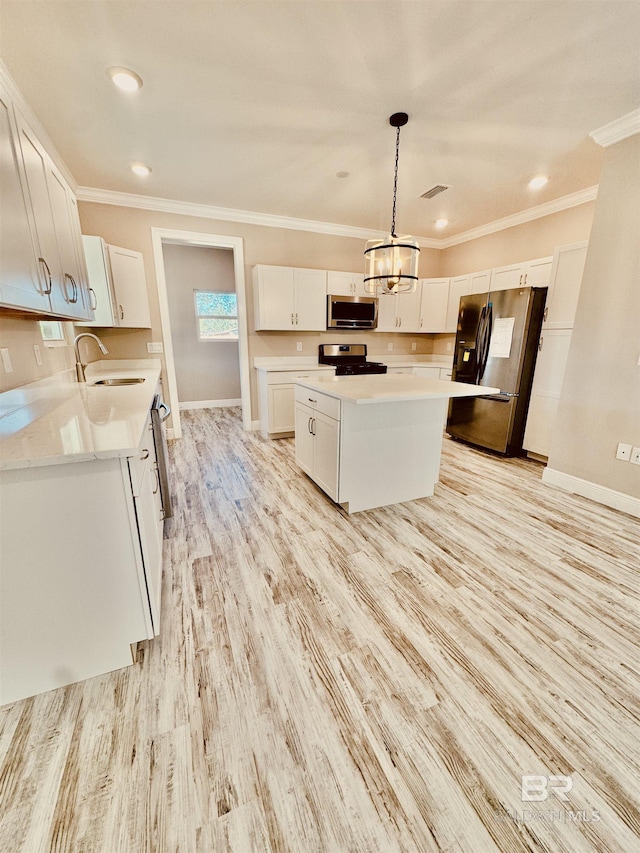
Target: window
x=217 y=315
x=53 y=333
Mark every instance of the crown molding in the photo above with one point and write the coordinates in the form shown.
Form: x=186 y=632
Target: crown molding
x=617 y=130
x=555 y=206
x=227 y=214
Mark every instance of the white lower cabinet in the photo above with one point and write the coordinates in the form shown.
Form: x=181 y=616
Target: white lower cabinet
x=546 y=389
x=318 y=438
x=276 y=399
x=74 y=594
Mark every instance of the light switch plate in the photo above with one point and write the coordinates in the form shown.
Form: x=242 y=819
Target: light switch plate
x=38 y=355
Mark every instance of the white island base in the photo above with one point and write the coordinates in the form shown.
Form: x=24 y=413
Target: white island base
x=371 y=441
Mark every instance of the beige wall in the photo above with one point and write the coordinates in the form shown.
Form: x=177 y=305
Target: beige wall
x=205 y=370
x=19 y=334
x=535 y=239
x=600 y=402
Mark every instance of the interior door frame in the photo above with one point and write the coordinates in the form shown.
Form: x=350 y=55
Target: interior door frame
x=212 y=241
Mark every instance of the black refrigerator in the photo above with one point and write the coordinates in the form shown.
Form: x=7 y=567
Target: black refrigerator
x=496 y=345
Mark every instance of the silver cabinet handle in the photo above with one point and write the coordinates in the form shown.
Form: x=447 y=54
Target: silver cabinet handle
x=47 y=290
x=74 y=288
x=155 y=471
x=309 y=426
x=292 y=323
x=144 y=454
x=311 y=401
x=296 y=319
x=525 y=277
x=167 y=411
x=546 y=314
x=540 y=342
x=93 y=299
x=313 y=426
x=121 y=312
x=399 y=322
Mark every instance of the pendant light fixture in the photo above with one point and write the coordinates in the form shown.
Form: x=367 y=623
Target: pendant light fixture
x=391 y=265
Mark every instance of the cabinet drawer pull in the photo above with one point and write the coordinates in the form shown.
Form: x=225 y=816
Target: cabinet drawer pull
x=121 y=312
x=144 y=454
x=47 y=290
x=309 y=426
x=93 y=299
x=311 y=401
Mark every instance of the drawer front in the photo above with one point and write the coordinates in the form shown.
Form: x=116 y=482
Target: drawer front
x=288 y=377
x=319 y=402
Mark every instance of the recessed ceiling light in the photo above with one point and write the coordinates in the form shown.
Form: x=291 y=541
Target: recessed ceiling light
x=538 y=182
x=442 y=223
x=141 y=170
x=125 y=79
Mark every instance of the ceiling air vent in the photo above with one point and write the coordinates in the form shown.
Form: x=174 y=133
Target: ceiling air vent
x=434 y=191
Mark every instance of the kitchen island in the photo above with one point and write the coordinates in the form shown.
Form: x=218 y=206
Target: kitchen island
x=370 y=441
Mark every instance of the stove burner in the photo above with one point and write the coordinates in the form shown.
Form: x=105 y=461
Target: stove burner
x=349 y=359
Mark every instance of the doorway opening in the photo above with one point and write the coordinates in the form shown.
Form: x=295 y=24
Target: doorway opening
x=218 y=329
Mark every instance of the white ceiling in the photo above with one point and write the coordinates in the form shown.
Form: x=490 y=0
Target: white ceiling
x=257 y=105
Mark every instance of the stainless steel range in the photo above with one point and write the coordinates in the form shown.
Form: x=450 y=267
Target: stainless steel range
x=349 y=359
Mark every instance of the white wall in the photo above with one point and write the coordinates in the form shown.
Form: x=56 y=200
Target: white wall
x=205 y=370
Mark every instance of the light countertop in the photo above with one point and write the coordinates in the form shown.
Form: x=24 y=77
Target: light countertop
x=58 y=420
x=392 y=388
x=283 y=363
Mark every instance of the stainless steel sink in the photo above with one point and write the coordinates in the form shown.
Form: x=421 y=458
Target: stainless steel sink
x=129 y=381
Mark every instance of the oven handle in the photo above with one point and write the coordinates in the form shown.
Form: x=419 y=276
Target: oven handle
x=167 y=410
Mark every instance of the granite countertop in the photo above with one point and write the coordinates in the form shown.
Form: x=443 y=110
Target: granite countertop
x=392 y=388
x=58 y=420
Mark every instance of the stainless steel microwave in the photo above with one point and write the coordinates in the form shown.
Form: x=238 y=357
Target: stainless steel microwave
x=352 y=312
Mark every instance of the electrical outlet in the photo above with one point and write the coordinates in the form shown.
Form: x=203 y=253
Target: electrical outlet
x=299 y=346
x=6 y=360
x=390 y=347
x=36 y=352
x=414 y=347
x=635 y=456
x=155 y=346
x=624 y=452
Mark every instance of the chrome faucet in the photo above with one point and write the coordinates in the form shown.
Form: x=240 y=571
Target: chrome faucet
x=79 y=365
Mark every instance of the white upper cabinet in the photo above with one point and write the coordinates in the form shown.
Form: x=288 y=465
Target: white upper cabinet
x=399 y=312
x=118 y=288
x=130 y=287
x=433 y=304
x=289 y=298
x=346 y=284
x=536 y=273
x=480 y=282
x=564 y=285
x=57 y=230
x=458 y=286
x=22 y=282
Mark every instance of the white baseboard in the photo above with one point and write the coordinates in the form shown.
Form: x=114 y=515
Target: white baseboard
x=207 y=404
x=593 y=491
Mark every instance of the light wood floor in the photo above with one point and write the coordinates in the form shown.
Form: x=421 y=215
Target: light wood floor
x=376 y=682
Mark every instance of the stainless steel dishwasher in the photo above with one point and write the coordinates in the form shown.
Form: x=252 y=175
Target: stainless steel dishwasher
x=159 y=413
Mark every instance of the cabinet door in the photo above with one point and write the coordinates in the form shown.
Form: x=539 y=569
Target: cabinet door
x=480 y=282
x=433 y=304
x=66 y=225
x=564 y=286
x=150 y=541
x=387 y=317
x=304 y=438
x=408 y=310
x=130 y=288
x=274 y=298
x=506 y=278
x=281 y=408
x=326 y=441
x=339 y=283
x=458 y=286
x=310 y=300
x=20 y=282
x=100 y=287
x=546 y=389
x=538 y=273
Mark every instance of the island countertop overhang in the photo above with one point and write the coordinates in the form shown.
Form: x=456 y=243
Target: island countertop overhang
x=392 y=388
